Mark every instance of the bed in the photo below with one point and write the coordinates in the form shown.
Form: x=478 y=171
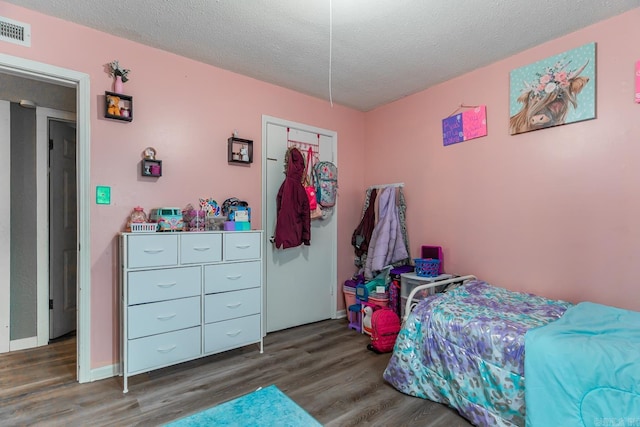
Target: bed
x=465 y=348
x=583 y=369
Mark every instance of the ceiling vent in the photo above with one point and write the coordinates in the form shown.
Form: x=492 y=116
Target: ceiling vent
x=15 y=32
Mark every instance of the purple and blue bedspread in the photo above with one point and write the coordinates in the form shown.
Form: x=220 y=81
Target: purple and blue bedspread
x=465 y=348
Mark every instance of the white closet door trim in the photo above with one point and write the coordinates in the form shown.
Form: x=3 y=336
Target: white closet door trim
x=5 y=212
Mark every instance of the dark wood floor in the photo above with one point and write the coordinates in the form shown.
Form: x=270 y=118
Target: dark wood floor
x=324 y=367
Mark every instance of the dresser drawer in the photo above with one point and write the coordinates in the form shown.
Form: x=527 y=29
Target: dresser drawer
x=165 y=316
x=231 y=277
x=410 y=281
x=229 y=305
x=241 y=245
x=164 y=284
x=155 y=250
x=221 y=336
x=200 y=248
x=164 y=349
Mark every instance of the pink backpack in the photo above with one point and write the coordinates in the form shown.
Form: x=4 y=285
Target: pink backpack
x=385 y=326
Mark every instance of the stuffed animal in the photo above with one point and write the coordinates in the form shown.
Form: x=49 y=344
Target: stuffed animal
x=114 y=105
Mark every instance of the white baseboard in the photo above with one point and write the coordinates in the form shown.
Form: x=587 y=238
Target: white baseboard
x=105 y=372
x=23 y=343
x=341 y=314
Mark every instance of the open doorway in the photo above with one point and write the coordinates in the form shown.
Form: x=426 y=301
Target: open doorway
x=80 y=269
x=43 y=219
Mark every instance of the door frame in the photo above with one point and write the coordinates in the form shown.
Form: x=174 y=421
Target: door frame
x=5 y=244
x=80 y=81
x=267 y=120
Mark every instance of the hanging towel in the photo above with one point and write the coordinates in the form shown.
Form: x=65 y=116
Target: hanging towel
x=387 y=244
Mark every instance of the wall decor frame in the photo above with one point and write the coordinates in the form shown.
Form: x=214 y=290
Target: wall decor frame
x=464 y=126
x=120 y=109
x=558 y=90
x=239 y=151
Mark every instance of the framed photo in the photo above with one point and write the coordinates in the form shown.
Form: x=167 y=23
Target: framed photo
x=554 y=91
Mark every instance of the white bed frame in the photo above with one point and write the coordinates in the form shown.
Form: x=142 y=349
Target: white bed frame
x=411 y=302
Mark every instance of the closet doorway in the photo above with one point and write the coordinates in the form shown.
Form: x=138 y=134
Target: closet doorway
x=39 y=72
x=300 y=283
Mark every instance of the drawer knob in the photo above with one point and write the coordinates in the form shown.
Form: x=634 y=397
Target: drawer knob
x=234 y=334
x=153 y=251
x=236 y=305
x=243 y=246
x=166 y=285
x=201 y=249
x=234 y=277
x=167 y=317
x=166 y=349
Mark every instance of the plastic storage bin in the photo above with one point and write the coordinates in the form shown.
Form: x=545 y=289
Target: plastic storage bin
x=349 y=296
x=409 y=281
x=143 y=227
x=427 y=267
x=434 y=252
x=379 y=299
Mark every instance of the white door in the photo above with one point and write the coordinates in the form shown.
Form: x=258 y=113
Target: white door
x=300 y=282
x=62 y=228
x=5 y=211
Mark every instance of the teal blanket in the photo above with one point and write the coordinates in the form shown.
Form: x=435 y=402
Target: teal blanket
x=584 y=369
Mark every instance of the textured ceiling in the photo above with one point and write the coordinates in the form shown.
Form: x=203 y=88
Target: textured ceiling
x=381 y=50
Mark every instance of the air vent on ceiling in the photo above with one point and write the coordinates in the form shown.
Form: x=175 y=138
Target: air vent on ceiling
x=15 y=32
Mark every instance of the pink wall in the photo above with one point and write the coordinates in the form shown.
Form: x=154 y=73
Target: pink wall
x=186 y=110
x=555 y=211
x=551 y=212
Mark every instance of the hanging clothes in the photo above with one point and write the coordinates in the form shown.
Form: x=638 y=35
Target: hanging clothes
x=387 y=244
x=362 y=234
x=402 y=216
x=293 y=220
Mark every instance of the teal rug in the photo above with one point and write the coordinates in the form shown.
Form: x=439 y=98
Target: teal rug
x=266 y=407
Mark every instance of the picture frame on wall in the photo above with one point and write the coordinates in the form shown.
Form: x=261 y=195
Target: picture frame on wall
x=558 y=90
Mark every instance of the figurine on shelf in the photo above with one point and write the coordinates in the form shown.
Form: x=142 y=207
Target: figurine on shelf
x=150 y=153
x=114 y=105
x=244 y=154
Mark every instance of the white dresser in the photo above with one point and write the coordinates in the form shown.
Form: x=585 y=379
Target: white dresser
x=188 y=294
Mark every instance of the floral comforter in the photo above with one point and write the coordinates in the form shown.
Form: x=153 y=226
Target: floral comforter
x=465 y=348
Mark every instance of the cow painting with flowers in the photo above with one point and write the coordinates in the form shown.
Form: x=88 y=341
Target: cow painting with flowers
x=555 y=91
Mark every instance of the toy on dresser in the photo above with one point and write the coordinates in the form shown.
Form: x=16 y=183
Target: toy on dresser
x=194 y=219
x=168 y=219
x=137 y=222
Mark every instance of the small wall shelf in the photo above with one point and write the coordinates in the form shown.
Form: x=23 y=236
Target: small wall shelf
x=239 y=151
x=151 y=167
x=125 y=107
